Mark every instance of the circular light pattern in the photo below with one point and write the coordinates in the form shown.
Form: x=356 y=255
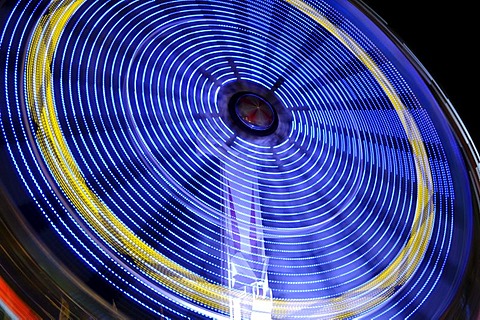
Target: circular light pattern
x=235 y=159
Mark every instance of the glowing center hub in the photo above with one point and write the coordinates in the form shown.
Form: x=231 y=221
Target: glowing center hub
x=254 y=113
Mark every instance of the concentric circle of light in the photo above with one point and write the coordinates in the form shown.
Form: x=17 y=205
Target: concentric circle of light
x=127 y=149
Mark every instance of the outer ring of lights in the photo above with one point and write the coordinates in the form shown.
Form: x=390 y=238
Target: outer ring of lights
x=215 y=296
x=212 y=298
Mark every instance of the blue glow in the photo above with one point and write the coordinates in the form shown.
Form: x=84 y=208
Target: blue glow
x=137 y=90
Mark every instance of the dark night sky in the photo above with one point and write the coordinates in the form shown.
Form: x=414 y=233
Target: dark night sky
x=441 y=36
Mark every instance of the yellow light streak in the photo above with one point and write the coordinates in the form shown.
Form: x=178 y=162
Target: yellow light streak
x=112 y=230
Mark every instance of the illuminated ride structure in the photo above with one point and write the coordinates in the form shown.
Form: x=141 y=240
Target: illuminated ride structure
x=257 y=159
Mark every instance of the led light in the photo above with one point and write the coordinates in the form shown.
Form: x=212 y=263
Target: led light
x=278 y=159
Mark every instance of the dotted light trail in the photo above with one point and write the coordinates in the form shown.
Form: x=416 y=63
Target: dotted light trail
x=188 y=151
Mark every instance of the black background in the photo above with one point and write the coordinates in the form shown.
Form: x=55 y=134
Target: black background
x=443 y=37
